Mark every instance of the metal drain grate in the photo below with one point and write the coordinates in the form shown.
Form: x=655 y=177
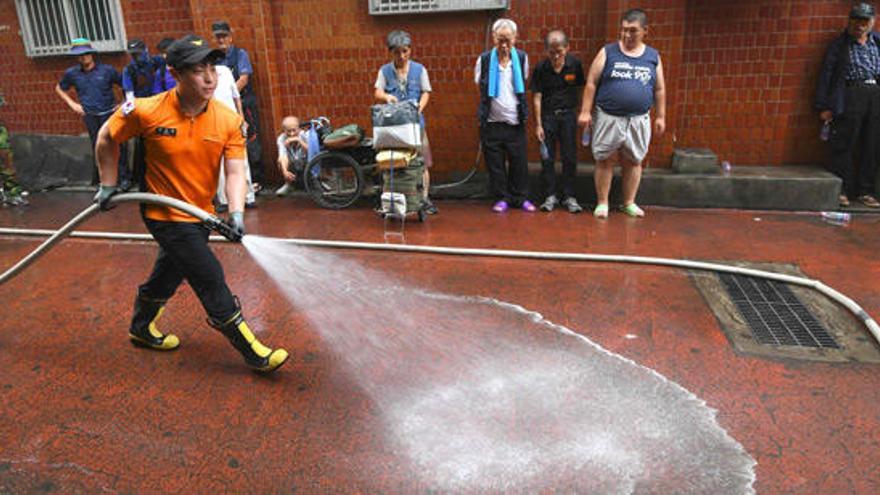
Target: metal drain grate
x=775 y=314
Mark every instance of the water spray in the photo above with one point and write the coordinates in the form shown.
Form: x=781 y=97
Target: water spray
x=228 y=235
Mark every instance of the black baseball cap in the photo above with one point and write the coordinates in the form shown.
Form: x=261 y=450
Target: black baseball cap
x=136 y=46
x=220 y=27
x=191 y=50
x=862 y=10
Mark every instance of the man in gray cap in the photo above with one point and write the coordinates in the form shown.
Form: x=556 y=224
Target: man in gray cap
x=848 y=99
x=239 y=63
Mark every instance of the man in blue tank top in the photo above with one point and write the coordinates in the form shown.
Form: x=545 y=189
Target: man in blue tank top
x=404 y=79
x=624 y=82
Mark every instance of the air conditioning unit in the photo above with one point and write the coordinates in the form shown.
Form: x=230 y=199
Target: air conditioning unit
x=389 y=7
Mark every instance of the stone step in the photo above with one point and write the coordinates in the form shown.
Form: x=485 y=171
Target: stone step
x=801 y=188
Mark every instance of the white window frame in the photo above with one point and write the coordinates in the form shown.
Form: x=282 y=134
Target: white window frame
x=48 y=26
x=391 y=7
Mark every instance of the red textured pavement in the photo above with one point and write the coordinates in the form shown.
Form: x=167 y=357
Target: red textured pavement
x=81 y=410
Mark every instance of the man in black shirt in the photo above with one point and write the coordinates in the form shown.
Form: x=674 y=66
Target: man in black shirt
x=557 y=84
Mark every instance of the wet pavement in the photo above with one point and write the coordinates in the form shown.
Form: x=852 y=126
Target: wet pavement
x=84 y=411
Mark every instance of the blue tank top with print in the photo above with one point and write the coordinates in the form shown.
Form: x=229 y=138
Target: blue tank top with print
x=626 y=88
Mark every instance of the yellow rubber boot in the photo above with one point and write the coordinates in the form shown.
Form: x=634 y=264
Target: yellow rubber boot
x=256 y=355
x=144 y=332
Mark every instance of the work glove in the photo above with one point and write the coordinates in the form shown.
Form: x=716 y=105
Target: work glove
x=236 y=223
x=103 y=196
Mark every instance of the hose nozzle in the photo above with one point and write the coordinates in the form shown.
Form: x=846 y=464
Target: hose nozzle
x=223 y=228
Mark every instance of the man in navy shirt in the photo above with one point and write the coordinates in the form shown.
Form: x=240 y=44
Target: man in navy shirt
x=93 y=82
x=138 y=77
x=139 y=81
x=848 y=99
x=239 y=63
x=163 y=80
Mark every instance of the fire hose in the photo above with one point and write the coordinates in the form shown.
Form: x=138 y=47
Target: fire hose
x=227 y=234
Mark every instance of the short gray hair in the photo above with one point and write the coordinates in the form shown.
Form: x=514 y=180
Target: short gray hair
x=556 y=34
x=504 y=24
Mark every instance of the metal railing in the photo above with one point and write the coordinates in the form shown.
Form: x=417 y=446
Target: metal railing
x=48 y=26
x=388 y=7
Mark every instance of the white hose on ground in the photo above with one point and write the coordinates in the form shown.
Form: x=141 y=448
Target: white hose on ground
x=67 y=230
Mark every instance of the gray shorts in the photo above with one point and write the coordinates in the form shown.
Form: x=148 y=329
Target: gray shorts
x=630 y=135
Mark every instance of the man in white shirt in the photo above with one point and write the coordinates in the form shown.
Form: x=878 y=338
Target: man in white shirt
x=501 y=75
x=292 y=152
x=227 y=93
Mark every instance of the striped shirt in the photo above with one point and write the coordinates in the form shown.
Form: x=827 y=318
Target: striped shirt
x=864 y=60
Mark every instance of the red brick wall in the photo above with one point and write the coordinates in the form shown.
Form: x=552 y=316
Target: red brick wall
x=331 y=51
x=750 y=76
x=28 y=83
x=740 y=75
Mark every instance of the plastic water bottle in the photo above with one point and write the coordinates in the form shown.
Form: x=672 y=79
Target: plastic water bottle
x=545 y=153
x=726 y=168
x=836 y=217
x=825 y=133
x=586 y=137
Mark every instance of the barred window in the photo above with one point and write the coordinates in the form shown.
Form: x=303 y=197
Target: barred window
x=385 y=7
x=48 y=26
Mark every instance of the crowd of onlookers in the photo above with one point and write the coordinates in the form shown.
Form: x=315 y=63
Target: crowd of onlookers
x=607 y=107
x=611 y=101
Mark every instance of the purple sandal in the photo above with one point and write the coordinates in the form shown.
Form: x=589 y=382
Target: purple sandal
x=500 y=207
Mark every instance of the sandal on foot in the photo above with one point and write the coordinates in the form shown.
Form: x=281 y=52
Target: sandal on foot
x=633 y=210
x=869 y=201
x=843 y=201
x=601 y=211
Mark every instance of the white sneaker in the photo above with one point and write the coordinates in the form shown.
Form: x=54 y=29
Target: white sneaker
x=550 y=203
x=572 y=205
x=281 y=191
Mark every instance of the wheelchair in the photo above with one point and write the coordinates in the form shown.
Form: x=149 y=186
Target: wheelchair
x=337 y=177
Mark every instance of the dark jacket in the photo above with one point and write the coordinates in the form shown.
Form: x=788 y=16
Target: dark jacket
x=831 y=90
x=485 y=101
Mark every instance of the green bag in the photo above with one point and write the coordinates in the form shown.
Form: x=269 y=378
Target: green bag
x=346 y=136
x=409 y=181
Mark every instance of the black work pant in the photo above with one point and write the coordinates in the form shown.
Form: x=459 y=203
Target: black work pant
x=93 y=125
x=560 y=128
x=504 y=148
x=184 y=254
x=254 y=149
x=853 y=136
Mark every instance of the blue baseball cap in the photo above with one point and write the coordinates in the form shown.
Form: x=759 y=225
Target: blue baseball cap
x=81 y=46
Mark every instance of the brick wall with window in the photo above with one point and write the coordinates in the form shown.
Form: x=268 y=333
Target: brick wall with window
x=28 y=83
x=740 y=75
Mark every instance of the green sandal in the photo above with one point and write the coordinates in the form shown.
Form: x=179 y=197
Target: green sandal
x=633 y=210
x=601 y=211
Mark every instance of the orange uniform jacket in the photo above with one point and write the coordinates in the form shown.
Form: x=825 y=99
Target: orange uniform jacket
x=182 y=153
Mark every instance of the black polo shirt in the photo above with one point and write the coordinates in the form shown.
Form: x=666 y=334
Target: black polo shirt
x=558 y=91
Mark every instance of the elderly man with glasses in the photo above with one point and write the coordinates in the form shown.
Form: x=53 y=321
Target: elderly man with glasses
x=500 y=74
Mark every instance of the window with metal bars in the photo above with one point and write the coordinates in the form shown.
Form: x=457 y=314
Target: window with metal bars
x=387 y=7
x=48 y=26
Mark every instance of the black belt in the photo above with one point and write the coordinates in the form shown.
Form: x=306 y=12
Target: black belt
x=865 y=82
x=561 y=111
